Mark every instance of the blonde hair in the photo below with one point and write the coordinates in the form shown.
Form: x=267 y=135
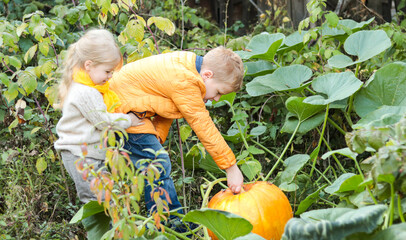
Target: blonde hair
x=226 y=66
x=97 y=45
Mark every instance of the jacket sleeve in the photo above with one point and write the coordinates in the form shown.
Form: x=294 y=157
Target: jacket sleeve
x=162 y=126
x=90 y=103
x=188 y=99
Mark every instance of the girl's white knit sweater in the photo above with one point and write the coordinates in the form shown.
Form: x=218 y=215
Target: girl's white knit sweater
x=84 y=116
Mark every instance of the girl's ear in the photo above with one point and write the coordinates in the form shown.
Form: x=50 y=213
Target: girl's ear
x=206 y=74
x=88 y=64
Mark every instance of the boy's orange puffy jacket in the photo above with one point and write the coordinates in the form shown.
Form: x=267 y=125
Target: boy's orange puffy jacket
x=168 y=86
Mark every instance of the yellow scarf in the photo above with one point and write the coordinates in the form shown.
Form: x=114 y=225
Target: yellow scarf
x=110 y=98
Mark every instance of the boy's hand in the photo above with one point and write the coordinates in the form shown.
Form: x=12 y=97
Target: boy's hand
x=234 y=179
x=134 y=120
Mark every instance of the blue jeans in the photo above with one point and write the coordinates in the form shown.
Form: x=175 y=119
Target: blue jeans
x=136 y=144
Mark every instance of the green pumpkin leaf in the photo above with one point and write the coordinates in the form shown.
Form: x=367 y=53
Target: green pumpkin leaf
x=343 y=151
x=207 y=163
x=228 y=98
x=333 y=87
x=309 y=200
x=292 y=121
x=263 y=46
x=383 y=116
x=294 y=41
x=250 y=236
x=224 y=224
x=327 y=31
x=302 y=110
x=335 y=187
x=97 y=226
x=293 y=165
x=251 y=168
x=394 y=232
x=290 y=78
x=334 y=223
x=364 y=45
x=259 y=68
x=257 y=131
x=385 y=88
x=87 y=210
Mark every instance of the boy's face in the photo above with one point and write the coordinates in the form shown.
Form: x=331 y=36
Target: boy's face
x=214 y=89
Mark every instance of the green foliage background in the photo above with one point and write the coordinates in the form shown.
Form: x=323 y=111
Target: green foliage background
x=325 y=147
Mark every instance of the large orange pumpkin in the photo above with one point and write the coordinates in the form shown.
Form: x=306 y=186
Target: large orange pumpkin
x=263 y=204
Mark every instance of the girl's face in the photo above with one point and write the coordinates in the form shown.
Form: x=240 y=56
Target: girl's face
x=100 y=74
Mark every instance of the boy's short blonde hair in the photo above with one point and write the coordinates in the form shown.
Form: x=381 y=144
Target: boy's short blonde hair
x=226 y=66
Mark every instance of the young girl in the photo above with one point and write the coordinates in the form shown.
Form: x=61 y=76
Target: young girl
x=88 y=104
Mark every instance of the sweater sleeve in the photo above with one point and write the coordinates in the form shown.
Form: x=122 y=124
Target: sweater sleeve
x=188 y=100
x=91 y=105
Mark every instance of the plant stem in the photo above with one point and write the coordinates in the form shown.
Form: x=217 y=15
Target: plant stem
x=183 y=165
x=209 y=188
x=264 y=148
x=402 y=218
x=336 y=126
x=322 y=175
x=334 y=156
x=241 y=133
x=206 y=199
x=392 y=203
x=167 y=229
x=214 y=178
x=283 y=153
x=320 y=140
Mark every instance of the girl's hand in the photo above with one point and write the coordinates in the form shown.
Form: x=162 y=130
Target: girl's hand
x=134 y=120
x=234 y=179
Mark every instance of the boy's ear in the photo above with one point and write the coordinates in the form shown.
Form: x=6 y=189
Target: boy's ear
x=206 y=74
x=87 y=64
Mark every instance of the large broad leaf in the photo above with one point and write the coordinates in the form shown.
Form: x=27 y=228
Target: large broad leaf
x=302 y=110
x=292 y=121
x=335 y=187
x=334 y=223
x=350 y=24
x=333 y=87
x=208 y=164
x=259 y=68
x=288 y=78
x=263 y=46
x=343 y=151
x=293 y=165
x=394 y=232
x=251 y=168
x=364 y=45
x=93 y=218
x=386 y=87
x=293 y=42
x=224 y=224
x=383 y=116
x=87 y=210
x=308 y=201
x=250 y=236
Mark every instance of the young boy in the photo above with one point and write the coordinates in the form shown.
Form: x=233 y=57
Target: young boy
x=176 y=85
